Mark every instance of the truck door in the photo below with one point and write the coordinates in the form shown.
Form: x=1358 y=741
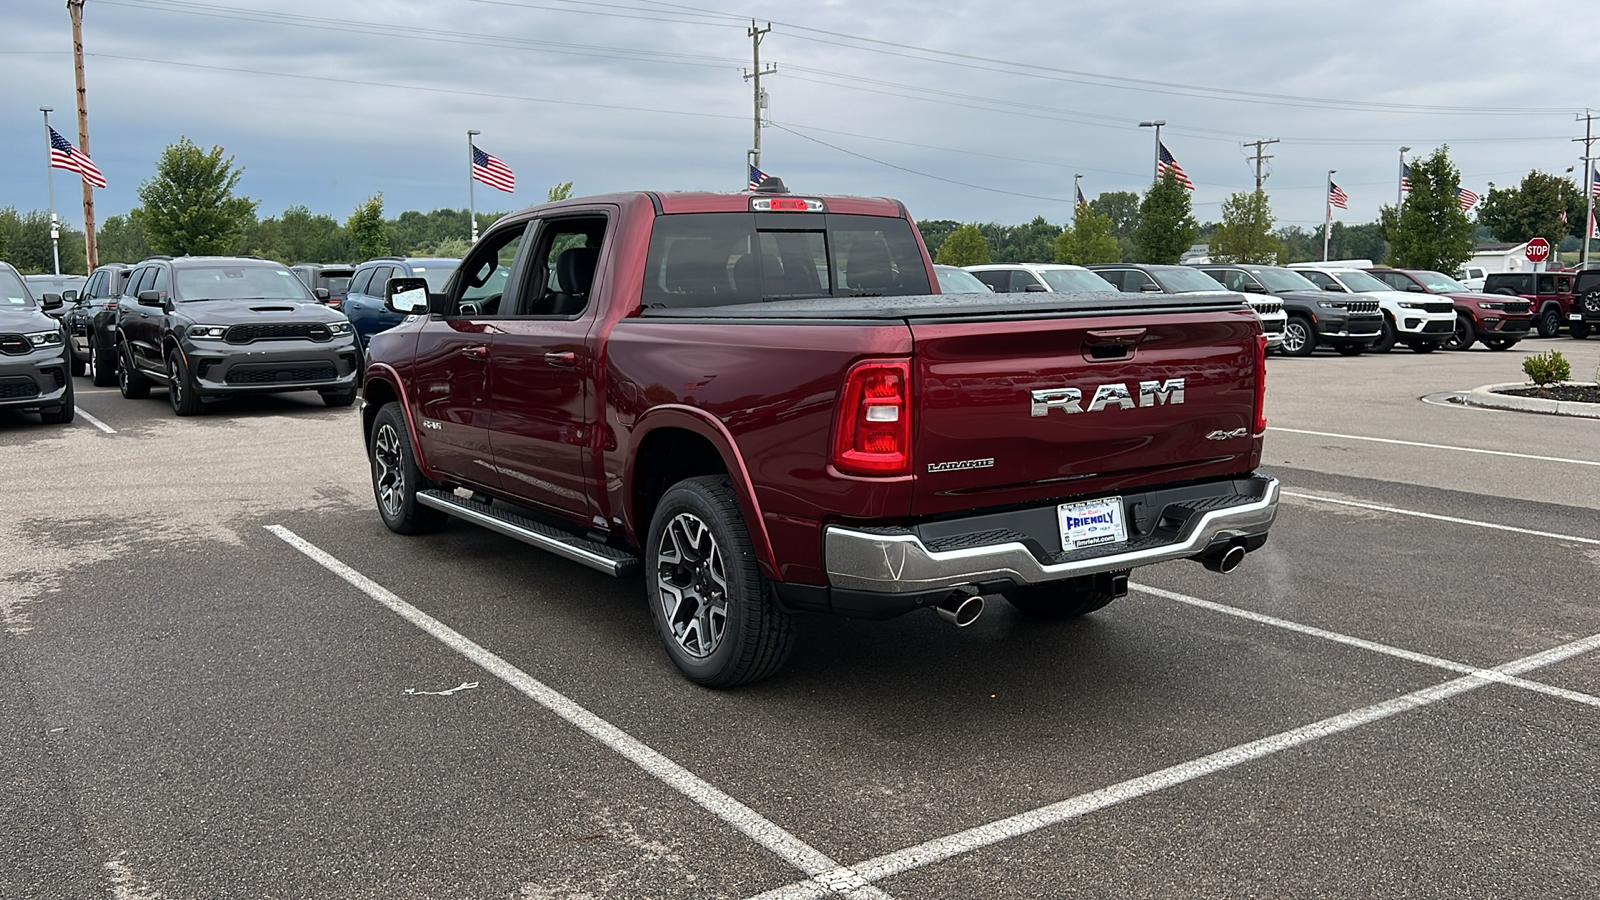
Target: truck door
x=542 y=371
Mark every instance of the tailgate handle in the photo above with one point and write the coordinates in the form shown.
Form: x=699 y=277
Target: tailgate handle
x=1111 y=343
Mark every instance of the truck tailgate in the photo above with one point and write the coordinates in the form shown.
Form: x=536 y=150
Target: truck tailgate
x=1012 y=411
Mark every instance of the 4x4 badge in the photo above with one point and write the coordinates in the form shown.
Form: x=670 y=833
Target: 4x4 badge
x=1228 y=435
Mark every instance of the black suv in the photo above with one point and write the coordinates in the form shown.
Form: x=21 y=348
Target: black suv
x=335 y=279
x=33 y=353
x=211 y=326
x=1348 y=323
x=92 y=324
x=1585 y=314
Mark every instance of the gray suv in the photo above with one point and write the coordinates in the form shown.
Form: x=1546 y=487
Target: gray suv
x=211 y=326
x=34 y=361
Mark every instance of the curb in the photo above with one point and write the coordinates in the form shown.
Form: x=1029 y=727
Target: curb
x=1485 y=396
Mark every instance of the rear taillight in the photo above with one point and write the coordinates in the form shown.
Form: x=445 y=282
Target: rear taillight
x=872 y=429
x=1261 y=385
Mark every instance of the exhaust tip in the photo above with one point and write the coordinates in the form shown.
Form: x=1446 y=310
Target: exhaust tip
x=960 y=609
x=1226 y=561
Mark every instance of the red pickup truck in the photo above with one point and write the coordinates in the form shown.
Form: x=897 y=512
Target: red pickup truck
x=761 y=404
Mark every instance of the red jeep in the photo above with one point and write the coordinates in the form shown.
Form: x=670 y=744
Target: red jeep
x=1492 y=318
x=1550 y=294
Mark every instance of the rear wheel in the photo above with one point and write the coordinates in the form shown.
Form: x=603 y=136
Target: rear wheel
x=1061 y=600
x=1299 y=338
x=134 y=386
x=102 y=364
x=396 y=478
x=1465 y=336
x=1579 y=330
x=714 y=612
x=1549 y=323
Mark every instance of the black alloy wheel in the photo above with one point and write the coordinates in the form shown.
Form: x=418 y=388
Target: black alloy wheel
x=1465 y=335
x=1548 y=323
x=63 y=414
x=1386 y=340
x=134 y=386
x=102 y=364
x=181 y=387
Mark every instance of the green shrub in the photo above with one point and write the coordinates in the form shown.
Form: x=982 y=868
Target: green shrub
x=1545 y=369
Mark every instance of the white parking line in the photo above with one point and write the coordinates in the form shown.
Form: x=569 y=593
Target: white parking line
x=944 y=848
x=93 y=421
x=1364 y=644
x=786 y=846
x=1439 y=518
x=1357 y=437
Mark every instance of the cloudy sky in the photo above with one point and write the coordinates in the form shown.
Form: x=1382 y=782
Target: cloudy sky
x=972 y=111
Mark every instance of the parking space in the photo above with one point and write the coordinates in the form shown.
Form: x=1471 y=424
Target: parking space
x=213 y=637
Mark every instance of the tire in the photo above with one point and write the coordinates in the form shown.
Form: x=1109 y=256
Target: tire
x=1350 y=349
x=181 y=387
x=61 y=415
x=102 y=365
x=1548 y=323
x=713 y=611
x=1578 y=330
x=396 y=478
x=1386 y=340
x=339 y=398
x=1424 y=346
x=1465 y=335
x=134 y=386
x=1498 y=343
x=79 y=366
x=1299 y=337
x=1062 y=600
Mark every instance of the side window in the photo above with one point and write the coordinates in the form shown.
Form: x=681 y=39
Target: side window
x=92 y=288
x=1547 y=284
x=1113 y=276
x=1320 y=280
x=558 y=275
x=358 y=284
x=1021 y=279
x=1000 y=282
x=1396 y=280
x=1137 y=282
x=146 y=277
x=160 y=283
x=380 y=277
x=485 y=283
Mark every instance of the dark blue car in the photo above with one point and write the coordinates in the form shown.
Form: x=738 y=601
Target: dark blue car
x=363 y=304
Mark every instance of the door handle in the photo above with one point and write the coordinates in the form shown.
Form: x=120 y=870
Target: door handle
x=565 y=359
x=476 y=351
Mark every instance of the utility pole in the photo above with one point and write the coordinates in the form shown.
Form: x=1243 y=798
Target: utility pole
x=50 y=179
x=91 y=250
x=1588 y=183
x=1260 y=158
x=760 y=96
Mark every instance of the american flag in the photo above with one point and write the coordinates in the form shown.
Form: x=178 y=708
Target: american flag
x=1337 y=196
x=1165 y=162
x=493 y=172
x=1081 y=201
x=65 y=156
x=1594 y=185
x=756 y=177
x=1405 y=177
x=1466 y=198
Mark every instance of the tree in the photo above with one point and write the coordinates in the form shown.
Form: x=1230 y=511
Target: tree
x=368 y=234
x=965 y=246
x=1245 y=235
x=1122 y=208
x=1429 y=230
x=562 y=191
x=934 y=232
x=189 y=206
x=1166 y=222
x=25 y=243
x=120 y=239
x=1033 y=242
x=1533 y=209
x=299 y=236
x=1088 y=240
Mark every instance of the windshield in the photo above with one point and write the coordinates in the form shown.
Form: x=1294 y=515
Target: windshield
x=1280 y=280
x=1440 y=283
x=12 y=294
x=436 y=275
x=1074 y=281
x=959 y=281
x=1361 y=282
x=1185 y=281
x=238 y=283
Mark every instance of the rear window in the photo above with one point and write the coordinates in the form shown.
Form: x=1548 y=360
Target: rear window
x=719 y=259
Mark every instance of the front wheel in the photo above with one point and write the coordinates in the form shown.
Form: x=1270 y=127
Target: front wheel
x=714 y=612
x=1299 y=338
x=102 y=364
x=396 y=478
x=1465 y=335
x=1385 y=341
x=61 y=415
x=181 y=386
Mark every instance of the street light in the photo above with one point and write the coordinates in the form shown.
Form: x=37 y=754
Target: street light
x=1155 y=174
x=1327 y=218
x=1400 y=189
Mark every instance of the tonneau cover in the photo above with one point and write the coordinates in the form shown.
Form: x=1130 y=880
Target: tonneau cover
x=941 y=306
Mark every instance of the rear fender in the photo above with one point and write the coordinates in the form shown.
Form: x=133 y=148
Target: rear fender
x=705 y=425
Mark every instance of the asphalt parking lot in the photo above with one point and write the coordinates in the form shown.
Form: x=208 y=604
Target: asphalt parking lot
x=223 y=677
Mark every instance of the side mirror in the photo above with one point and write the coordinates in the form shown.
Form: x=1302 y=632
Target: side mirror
x=406 y=296
x=1250 y=287
x=50 y=301
x=1150 y=288
x=1036 y=289
x=1335 y=287
x=321 y=294
x=149 y=298
x=1415 y=288
x=69 y=295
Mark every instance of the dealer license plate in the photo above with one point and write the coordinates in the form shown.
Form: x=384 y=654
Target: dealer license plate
x=1090 y=523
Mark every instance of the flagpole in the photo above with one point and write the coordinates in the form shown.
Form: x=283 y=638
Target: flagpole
x=1588 y=225
x=472 y=200
x=49 y=179
x=1327 y=217
x=1400 y=185
x=1155 y=170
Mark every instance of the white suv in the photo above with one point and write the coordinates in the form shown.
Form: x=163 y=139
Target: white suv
x=1144 y=278
x=1015 y=278
x=1421 y=322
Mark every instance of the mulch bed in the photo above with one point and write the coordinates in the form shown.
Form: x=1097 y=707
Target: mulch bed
x=1582 y=393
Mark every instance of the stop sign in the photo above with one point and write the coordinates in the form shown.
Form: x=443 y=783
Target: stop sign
x=1538 y=250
